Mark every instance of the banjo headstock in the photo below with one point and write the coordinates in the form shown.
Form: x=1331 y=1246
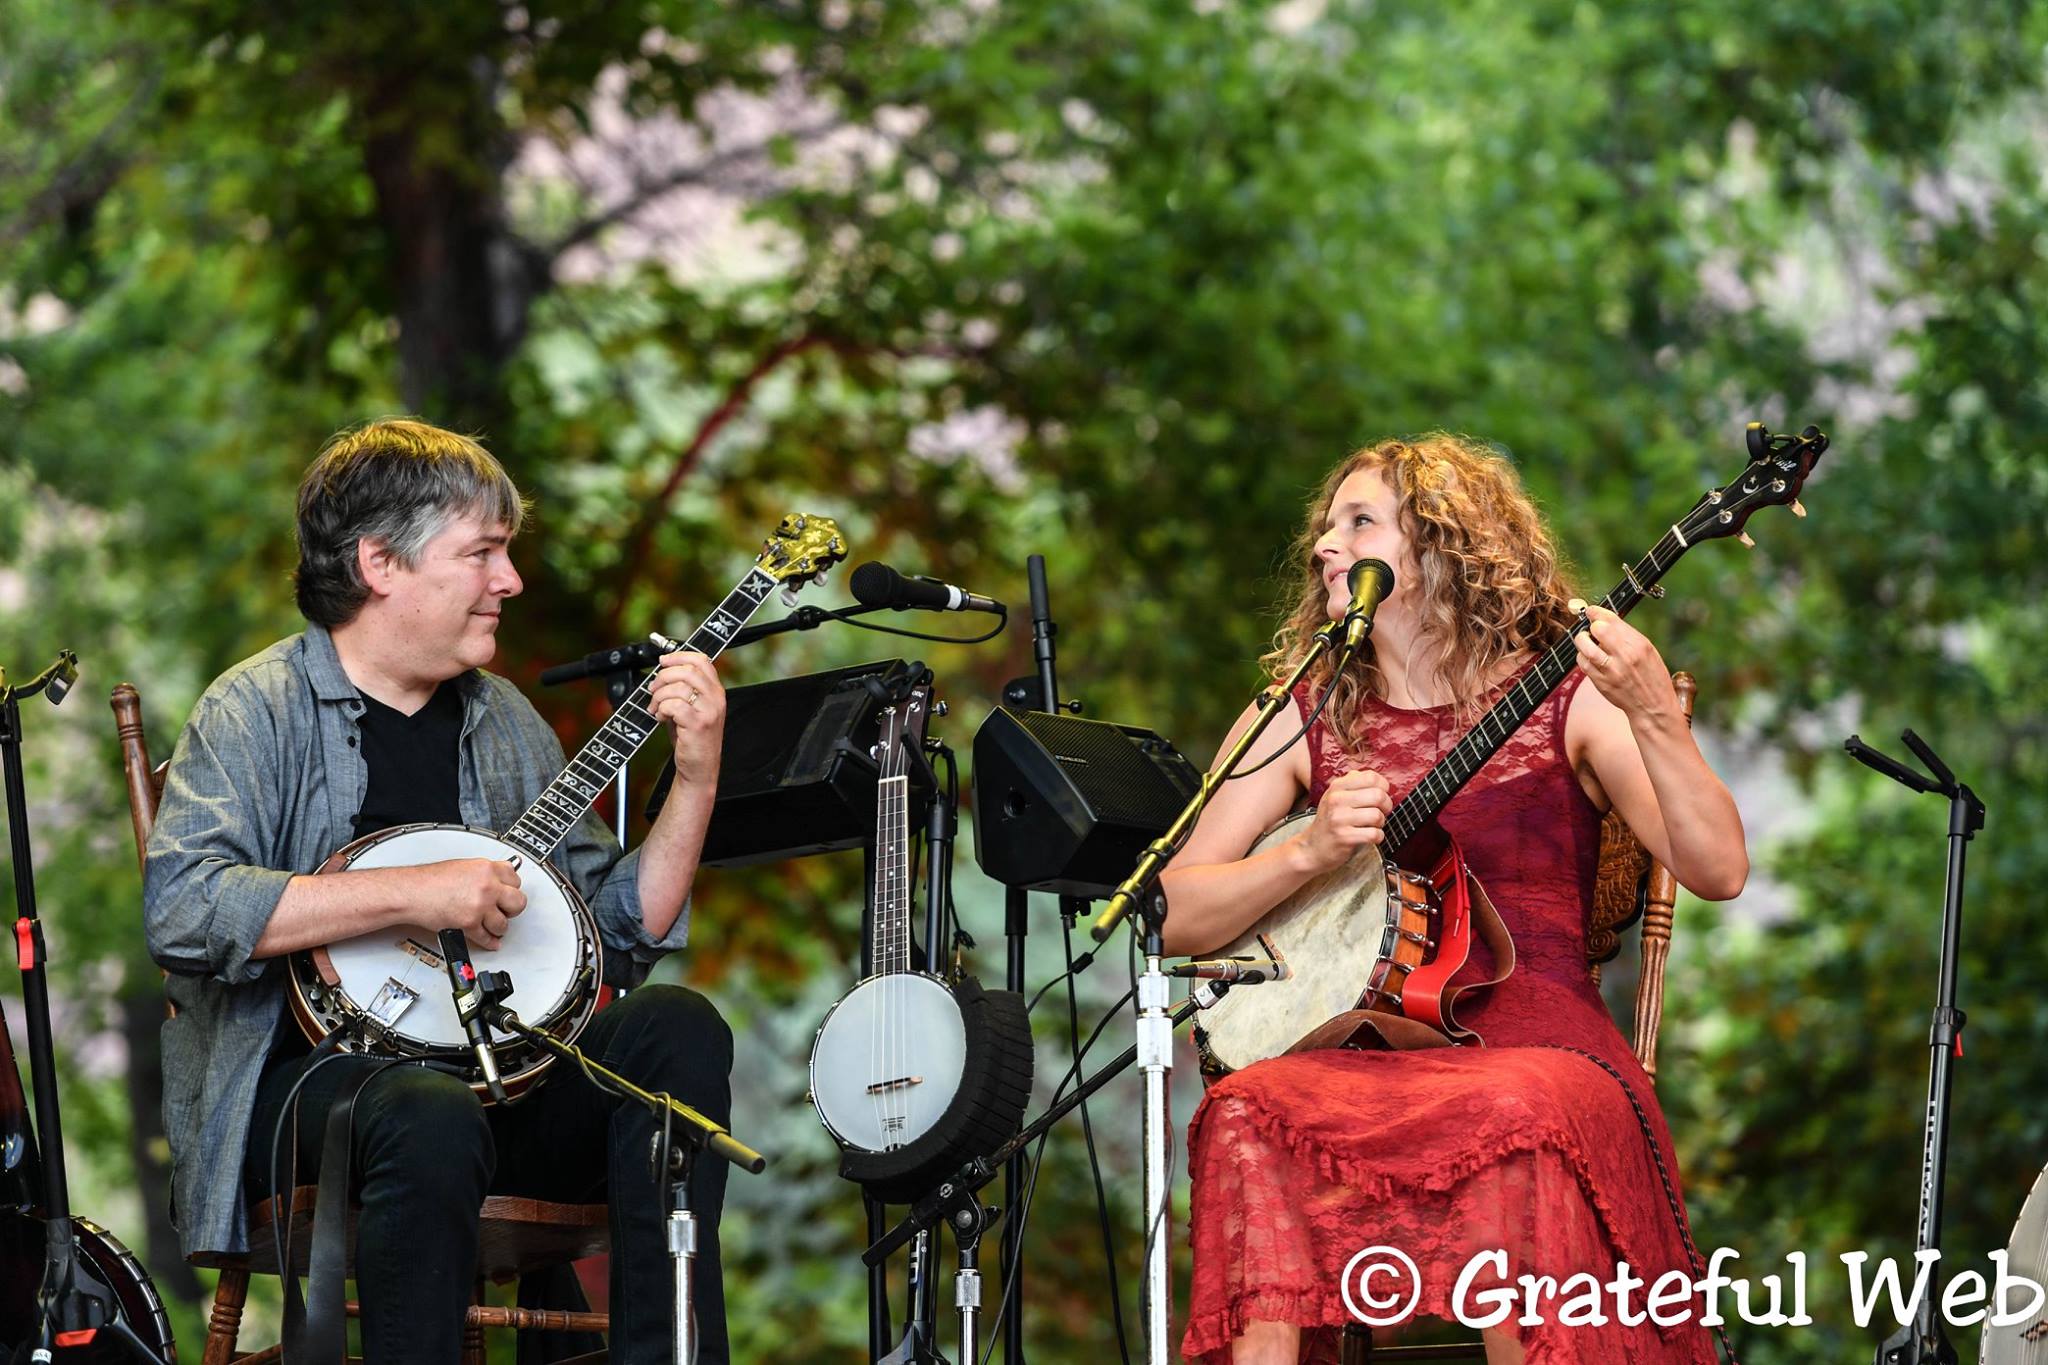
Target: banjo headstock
x=801 y=546
x=1777 y=470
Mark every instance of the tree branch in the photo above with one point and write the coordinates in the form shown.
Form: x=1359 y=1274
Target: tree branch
x=87 y=175
x=646 y=193
x=732 y=405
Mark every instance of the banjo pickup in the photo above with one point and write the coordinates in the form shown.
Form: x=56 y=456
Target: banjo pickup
x=900 y=1083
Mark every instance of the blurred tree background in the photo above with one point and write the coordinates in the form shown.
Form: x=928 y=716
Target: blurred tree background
x=1114 y=281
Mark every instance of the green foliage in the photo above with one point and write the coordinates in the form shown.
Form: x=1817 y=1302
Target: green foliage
x=1173 y=263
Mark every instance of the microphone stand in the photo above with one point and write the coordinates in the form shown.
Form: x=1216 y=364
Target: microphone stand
x=1016 y=925
x=675 y=1149
x=1140 y=891
x=73 y=1305
x=1924 y=1341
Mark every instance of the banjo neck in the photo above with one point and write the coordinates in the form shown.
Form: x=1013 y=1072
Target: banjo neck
x=1415 y=817
x=547 y=822
x=1777 y=470
x=889 y=945
x=889 y=937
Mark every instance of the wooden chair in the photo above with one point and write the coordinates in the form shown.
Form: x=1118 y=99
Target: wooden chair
x=1630 y=886
x=517 y=1236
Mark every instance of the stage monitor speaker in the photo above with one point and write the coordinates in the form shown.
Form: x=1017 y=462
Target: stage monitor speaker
x=797 y=775
x=1067 y=805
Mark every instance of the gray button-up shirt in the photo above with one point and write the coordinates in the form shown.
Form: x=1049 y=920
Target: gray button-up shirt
x=264 y=785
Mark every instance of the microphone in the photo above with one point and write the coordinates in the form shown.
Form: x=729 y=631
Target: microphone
x=469 y=1007
x=1371 y=580
x=1238 y=971
x=875 y=584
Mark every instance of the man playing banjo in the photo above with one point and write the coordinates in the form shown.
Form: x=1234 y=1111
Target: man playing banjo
x=380 y=714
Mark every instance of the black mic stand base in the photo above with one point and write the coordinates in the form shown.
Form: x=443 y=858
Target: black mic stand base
x=1907 y=1347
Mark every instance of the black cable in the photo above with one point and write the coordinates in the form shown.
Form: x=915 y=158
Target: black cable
x=1699 y=1267
x=1022 y=1213
x=1116 y=1298
x=1002 y=624
x=1329 y=691
x=949 y=919
x=280 y=1241
x=1063 y=976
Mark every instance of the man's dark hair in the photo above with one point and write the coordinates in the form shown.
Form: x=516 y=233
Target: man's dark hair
x=397 y=481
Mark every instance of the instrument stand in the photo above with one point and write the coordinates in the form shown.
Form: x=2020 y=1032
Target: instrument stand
x=675 y=1150
x=919 y=1344
x=942 y=822
x=1924 y=1341
x=73 y=1306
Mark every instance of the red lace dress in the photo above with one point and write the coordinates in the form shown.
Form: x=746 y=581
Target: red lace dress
x=1303 y=1161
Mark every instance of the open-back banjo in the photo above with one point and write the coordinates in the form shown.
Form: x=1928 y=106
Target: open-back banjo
x=1390 y=936
x=913 y=1073
x=387 y=990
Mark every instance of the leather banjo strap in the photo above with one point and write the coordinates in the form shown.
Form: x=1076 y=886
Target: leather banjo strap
x=1493 y=932
x=316 y=1326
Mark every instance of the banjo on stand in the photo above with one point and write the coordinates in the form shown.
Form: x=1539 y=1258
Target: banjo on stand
x=914 y=1074
x=387 y=991
x=1404 y=981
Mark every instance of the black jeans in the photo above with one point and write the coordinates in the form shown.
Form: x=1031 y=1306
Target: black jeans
x=427 y=1152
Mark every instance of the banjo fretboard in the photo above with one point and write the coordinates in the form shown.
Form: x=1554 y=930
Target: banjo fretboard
x=547 y=822
x=1458 y=767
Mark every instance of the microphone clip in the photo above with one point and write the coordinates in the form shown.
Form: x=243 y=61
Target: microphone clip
x=1243 y=970
x=475 y=994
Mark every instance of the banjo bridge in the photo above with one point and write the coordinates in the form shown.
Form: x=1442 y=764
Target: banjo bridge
x=413 y=948
x=900 y=1083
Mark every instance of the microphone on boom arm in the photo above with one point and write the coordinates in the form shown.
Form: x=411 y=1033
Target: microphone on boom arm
x=875 y=584
x=1372 y=581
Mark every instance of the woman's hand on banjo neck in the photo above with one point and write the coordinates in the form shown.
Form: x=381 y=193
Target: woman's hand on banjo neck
x=1213 y=891
x=479 y=896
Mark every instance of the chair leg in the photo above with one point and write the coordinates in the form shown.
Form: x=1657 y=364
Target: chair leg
x=224 y=1326
x=473 y=1331
x=1357 y=1347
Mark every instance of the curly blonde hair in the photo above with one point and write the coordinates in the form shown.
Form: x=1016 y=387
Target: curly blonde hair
x=1492 y=582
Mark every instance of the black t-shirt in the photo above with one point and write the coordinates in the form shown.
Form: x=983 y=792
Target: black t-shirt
x=414 y=762
x=415 y=767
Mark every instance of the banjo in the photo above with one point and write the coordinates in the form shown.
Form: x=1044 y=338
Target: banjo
x=387 y=991
x=912 y=1074
x=1403 y=981
x=2024 y=1342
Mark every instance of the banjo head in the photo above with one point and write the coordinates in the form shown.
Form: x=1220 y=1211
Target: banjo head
x=393 y=984
x=2027 y=1258
x=1329 y=933
x=888 y=1061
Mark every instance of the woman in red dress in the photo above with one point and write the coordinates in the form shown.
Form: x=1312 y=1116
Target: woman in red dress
x=1303 y=1161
